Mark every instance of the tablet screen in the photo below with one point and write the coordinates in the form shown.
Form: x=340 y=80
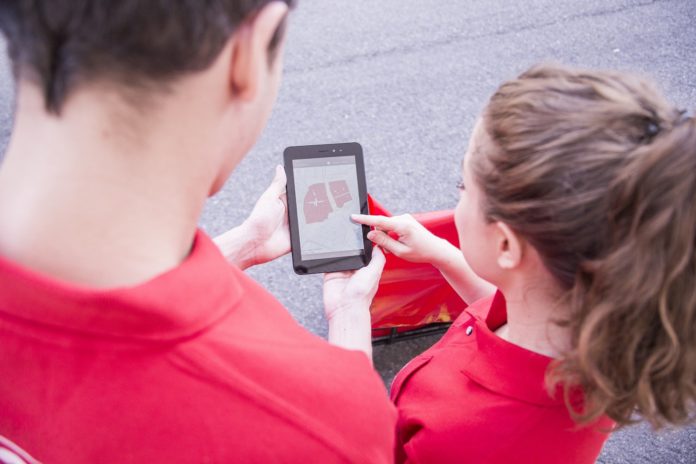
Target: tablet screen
x=326 y=195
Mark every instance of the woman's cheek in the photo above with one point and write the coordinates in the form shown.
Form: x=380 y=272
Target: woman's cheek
x=462 y=220
x=472 y=239
x=459 y=222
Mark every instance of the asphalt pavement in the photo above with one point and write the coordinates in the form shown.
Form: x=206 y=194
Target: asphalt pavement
x=407 y=79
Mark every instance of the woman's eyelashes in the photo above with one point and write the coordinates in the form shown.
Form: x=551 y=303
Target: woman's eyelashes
x=460 y=185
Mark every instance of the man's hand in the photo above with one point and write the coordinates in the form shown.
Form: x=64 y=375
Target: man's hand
x=267 y=225
x=347 y=299
x=353 y=289
x=264 y=235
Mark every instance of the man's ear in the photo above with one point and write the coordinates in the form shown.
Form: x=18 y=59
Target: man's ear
x=509 y=246
x=250 y=50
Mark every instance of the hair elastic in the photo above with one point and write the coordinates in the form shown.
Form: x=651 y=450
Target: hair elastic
x=652 y=128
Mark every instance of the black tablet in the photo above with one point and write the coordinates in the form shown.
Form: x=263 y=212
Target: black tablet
x=326 y=184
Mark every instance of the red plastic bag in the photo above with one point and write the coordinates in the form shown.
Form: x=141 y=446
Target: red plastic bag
x=412 y=295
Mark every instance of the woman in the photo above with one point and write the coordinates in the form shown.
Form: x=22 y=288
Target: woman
x=577 y=205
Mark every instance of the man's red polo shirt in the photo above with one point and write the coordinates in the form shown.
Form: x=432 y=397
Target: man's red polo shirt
x=474 y=397
x=198 y=365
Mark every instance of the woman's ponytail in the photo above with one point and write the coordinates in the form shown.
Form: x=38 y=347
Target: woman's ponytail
x=634 y=324
x=598 y=173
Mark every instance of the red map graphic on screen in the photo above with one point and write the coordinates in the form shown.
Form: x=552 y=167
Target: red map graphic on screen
x=316 y=204
x=340 y=193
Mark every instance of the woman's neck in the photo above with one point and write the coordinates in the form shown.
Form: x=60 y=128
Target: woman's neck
x=531 y=314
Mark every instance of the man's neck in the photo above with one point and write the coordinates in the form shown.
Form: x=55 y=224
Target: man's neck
x=82 y=202
x=531 y=315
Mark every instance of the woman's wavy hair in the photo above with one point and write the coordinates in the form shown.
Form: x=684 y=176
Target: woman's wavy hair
x=598 y=173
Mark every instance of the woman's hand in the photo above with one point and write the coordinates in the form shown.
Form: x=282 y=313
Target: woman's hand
x=347 y=299
x=413 y=243
x=264 y=235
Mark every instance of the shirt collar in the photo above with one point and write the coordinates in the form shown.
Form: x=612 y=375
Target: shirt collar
x=501 y=366
x=172 y=305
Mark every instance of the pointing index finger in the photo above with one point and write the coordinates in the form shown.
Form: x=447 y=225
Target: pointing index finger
x=382 y=222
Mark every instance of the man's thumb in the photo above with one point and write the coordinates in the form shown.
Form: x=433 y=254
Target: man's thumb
x=279 y=182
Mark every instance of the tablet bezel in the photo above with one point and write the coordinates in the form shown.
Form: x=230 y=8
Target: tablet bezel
x=344 y=263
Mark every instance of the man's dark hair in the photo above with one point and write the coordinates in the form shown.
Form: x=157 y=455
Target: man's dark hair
x=60 y=44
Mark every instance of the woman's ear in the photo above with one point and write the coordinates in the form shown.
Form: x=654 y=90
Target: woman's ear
x=250 y=50
x=509 y=248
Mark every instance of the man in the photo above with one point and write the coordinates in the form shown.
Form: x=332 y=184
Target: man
x=125 y=334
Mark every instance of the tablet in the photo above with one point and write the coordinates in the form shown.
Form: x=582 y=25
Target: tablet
x=326 y=184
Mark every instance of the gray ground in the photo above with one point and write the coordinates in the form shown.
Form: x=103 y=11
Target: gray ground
x=406 y=81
